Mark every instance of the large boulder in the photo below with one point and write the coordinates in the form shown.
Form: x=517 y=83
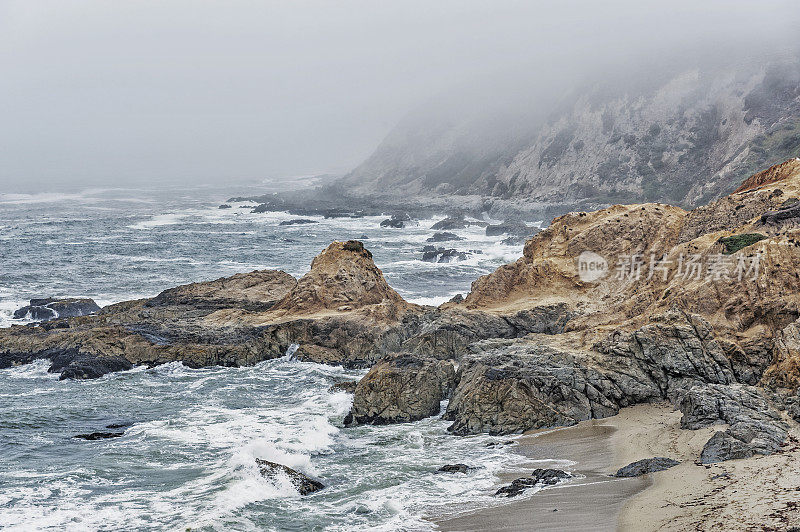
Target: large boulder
x=401 y=389
x=51 y=308
x=507 y=387
x=754 y=425
x=648 y=465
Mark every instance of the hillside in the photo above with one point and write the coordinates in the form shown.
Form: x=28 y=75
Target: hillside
x=686 y=138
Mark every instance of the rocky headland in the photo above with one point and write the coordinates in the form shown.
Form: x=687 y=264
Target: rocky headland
x=632 y=304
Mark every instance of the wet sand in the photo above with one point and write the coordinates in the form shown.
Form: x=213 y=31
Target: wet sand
x=591 y=503
x=759 y=493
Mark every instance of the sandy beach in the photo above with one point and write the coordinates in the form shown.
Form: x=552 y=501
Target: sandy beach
x=761 y=493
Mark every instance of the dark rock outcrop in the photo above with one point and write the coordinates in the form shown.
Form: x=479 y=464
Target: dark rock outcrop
x=303 y=484
x=443 y=255
x=511 y=228
x=401 y=389
x=754 y=425
x=344 y=386
x=648 y=465
x=454 y=468
x=510 y=386
x=443 y=237
x=544 y=477
x=298 y=221
x=791 y=213
x=50 y=308
x=99 y=436
x=397 y=221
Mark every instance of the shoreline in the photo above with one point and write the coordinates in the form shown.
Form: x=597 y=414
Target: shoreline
x=758 y=493
x=591 y=502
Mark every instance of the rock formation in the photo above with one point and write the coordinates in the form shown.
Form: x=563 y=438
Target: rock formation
x=604 y=310
x=401 y=389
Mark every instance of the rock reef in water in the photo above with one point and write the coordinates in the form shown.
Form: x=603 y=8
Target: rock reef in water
x=534 y=344
x=302 y=483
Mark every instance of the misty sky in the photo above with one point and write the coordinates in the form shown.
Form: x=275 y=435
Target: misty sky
x=126 y=93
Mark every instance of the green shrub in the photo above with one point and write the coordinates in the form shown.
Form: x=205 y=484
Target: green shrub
x=736 y=242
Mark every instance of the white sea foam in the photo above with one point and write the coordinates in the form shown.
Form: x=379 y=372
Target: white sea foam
x=158 y=221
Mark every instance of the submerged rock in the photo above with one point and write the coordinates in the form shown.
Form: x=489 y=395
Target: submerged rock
x=454 y=468
x=510 y=228
x=443 y=255
x=545 y=477
x=50 y=308
x=454 y=222
x=303 y=484
x=99 y=436
x=298 y=221
x=443 y=237
x=224 y=206
x=648 y=465
x=397 y=221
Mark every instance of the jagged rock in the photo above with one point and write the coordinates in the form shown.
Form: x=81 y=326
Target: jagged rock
x=512 y=387
x=648 y=465
x=723 y=446
x=224 y=206
x=298 y=221
x=397 y=221
x=443 y=255
x=448 y=334
x=302 y=483
x=344 y=386
x=73 y=364
x=50 y=308
x=545 y=477
x=785 y=372
x=456 y=222
x=509 y=386
x=510 y=228
x=443 y=237
x=401 y=389
x=665 y=357
x=99 y=436
x=755 y=427
x=454 y=468
x=791 y=213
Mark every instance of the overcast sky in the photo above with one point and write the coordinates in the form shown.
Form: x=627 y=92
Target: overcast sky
x=126 y=93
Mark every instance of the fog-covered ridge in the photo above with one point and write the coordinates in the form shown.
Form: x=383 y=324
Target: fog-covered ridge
x=680 y=132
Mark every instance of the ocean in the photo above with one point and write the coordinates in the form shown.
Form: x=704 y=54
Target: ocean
x=187 y=459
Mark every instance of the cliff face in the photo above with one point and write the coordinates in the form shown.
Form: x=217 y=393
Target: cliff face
x=685 y=139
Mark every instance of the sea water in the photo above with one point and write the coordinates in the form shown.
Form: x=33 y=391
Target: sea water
x=187 y=458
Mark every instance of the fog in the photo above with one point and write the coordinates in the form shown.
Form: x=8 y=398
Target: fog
x=136 y=93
